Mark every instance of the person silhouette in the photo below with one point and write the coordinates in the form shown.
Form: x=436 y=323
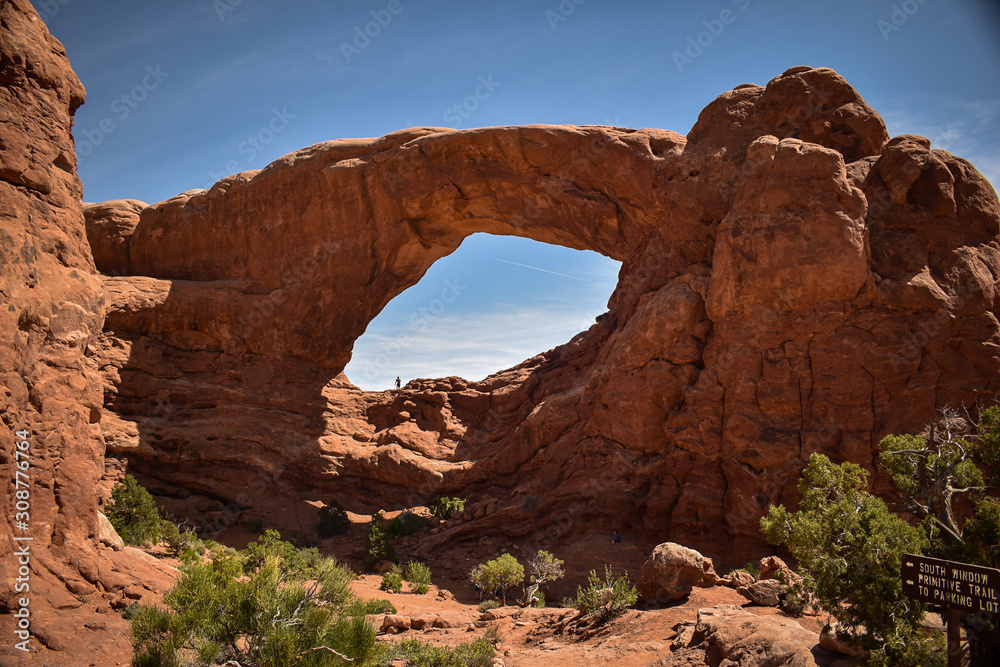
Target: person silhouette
x=399 y=382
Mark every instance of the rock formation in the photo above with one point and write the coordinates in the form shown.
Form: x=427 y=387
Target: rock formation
x=52 y=307
x=792 y=281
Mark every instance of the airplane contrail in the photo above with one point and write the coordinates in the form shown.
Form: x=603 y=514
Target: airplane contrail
x=544 y=270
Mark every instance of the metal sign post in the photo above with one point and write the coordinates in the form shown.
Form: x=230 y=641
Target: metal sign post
x=954 y=587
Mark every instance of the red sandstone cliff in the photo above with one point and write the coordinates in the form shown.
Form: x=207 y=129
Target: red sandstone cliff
x=792 y=282
x=52 y=307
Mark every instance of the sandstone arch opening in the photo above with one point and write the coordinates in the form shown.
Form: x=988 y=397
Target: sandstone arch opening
x=491 y=304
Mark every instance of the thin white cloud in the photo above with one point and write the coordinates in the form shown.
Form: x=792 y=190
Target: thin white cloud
x=473 y=346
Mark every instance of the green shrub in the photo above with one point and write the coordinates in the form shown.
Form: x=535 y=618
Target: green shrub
x=442 y=506
x=493 y=635
x=499 y=574
x=797 y=600
x=486 y=605
x=257 y=607
x=749 y=568
x=177 y=542
x=605 y=599
x=419 y=574
x=479 y=653
x=133 y=513
x=333 y=520
x=407 y=524
x=392 y=582
x=255 y=524
x=359 y=607
x=301 y=562
x=377 y=545
x=849 y=547
x=539 y=599
x=568 y=603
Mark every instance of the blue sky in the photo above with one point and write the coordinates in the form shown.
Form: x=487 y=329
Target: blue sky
x=183 y=93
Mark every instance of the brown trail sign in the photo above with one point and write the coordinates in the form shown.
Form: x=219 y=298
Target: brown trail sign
x=952 y=586
x=948 y=583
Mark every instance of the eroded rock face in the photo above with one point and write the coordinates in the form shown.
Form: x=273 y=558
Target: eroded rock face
x=52 y=307
x=792 y=282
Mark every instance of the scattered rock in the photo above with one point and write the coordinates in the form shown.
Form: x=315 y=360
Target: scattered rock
x=741 y=579
x=767 y=592
x=393 y=623
x=773 y=567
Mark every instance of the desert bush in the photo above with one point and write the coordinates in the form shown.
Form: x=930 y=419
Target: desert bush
x=406 y=524
x=933 y=473
x=750 y=568
x=301 y=562
x=568 y=602
x=499 y=574
x=486 y=605
x=605 y=598
x=133 y=512
x=257 y=607
x=442 y=507
x=493 y=635
x=359 y=607
x=419 y=574
x=378 y=546
x=177 y=542
x=333 y=520
x=849 y=547
x=539 y=599
x=479 y=653
x=255 y=524
x=392 y=582
x=544 y=568
x=797 y=600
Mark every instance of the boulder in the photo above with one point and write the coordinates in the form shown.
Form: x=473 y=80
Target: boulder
x=832 y=641
x=741 y=579
x=393 y=623
x=767 y=592
x=773 y=567
x=737 y=638
x=107 y=533
x=671 y=572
